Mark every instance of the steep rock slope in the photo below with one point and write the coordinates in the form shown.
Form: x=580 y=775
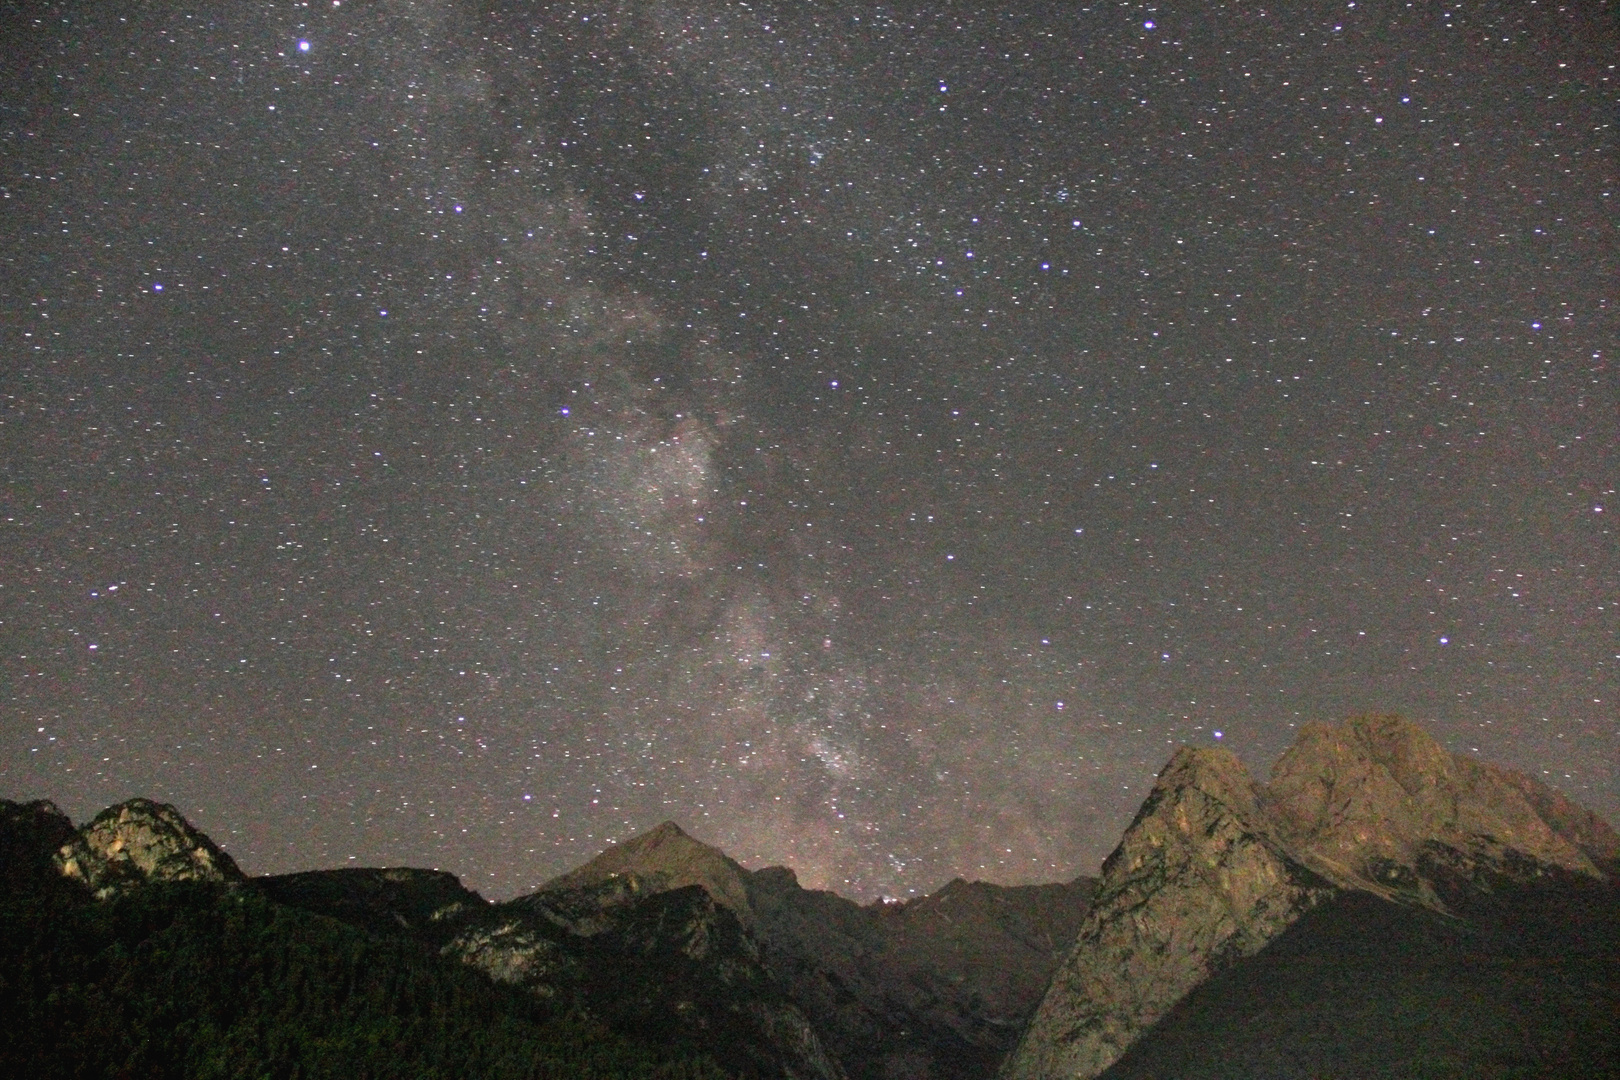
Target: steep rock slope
x=1197 y=881
x=1216 y=865
x=1595 y=838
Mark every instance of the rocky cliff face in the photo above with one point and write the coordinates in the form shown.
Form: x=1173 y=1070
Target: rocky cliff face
x=1375 y=802
x=1216 y=865
x=138 y=841
x=1197 y=881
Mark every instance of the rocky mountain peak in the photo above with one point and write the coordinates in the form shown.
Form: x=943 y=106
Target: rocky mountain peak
x=1211 y=777
x=661 y=859
x=138 y=841
x=1372 y=801
x=1409 y=754
x=1215 y=866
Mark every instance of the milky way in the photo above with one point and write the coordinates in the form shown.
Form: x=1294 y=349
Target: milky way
x=462 y=435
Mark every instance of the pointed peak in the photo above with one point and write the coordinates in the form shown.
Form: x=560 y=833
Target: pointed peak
x=662 y=833
x=662 y=858
x=1214 y=770
x=1188 y=758
x=662 y=841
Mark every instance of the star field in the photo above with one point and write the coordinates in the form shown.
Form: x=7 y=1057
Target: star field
x=462 y=434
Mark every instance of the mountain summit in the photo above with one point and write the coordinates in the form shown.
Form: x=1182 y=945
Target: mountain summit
x=659 y=860
x=1377 y=804
x=1215 y=866
x=138 y=841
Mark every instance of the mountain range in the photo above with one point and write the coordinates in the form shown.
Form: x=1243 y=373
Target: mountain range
x=1378 y=907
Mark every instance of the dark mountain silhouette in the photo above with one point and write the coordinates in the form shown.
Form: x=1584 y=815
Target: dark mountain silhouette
x=1523 y=986
x=168 y=965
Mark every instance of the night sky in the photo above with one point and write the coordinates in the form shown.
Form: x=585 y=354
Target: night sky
x=460 y=434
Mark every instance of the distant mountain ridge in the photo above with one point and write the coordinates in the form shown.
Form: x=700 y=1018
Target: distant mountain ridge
x=1373 y=873
x=939 y=986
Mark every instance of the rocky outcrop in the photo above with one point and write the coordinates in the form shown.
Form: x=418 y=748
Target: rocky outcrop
x=1215 y=866
x=1197 y=881
x=139 y=841
x=123 y=846
x=512 y=950
x=1373 y=802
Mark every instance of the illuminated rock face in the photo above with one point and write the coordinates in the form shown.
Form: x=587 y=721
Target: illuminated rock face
x=1216 y=865
x=138 y=841
x=1197 y=881
x=1379 y=805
